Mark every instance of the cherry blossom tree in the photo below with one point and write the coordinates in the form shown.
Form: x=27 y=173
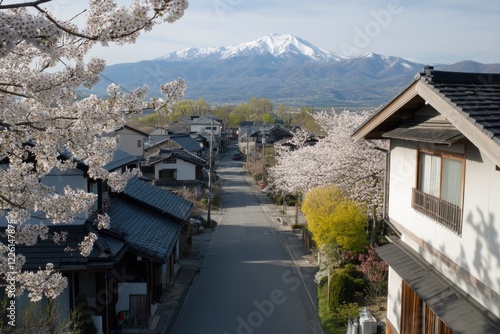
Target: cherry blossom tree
x=42 y=63
x=355 y=168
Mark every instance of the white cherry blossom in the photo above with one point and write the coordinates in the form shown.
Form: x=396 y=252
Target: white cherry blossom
x=355 y=167
x=44 y=126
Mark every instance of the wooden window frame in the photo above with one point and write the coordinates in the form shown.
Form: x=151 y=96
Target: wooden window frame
x=445 y=213
x=443 y=155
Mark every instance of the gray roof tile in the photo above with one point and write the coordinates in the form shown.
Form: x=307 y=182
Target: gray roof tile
x=120 y=159
x=459 y=312
x=186 y=141
x=181 y=154
x=162 y=201
x=476 y=95
x=144 y=231
x=66 y=255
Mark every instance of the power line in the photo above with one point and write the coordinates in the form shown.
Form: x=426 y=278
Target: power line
x=112 y=81
x=479 y=53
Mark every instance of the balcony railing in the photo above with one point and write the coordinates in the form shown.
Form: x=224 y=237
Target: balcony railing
x=443 y=212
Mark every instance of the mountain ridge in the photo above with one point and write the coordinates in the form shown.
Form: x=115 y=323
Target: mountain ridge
x=275 y=44
x=282 y=68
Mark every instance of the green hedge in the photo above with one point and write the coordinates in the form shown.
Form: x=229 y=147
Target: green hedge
x=342 y=289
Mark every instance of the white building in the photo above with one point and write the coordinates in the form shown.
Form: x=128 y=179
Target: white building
x=443 y=203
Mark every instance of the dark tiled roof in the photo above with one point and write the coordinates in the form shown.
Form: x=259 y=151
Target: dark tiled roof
x=181 y=154
x=451 y=304
x=205 y=120
x=45 y=251
x=475 y=95
x=135 y=130
x=162 y=201
x=120 y=159
x=144 y=231
x=186 y=141
x=115 y=244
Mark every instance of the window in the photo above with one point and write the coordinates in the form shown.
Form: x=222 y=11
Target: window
x=170 y=160
x=94 y=189
x=440 y=187
x=441 y=176
x=139 y=143
x=167 y=174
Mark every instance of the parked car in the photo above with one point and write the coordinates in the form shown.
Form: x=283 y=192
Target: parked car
x=236 y=156
x=196 y=224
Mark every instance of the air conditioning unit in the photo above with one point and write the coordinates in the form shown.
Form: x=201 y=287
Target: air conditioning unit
x=352 y=326
x=367 y=323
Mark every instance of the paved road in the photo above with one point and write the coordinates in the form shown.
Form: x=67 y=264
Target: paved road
x=251 y=280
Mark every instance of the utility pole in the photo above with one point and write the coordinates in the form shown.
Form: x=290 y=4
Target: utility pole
x=264 y=159
x=210 y=174
x=247 y=153
x=264 y=137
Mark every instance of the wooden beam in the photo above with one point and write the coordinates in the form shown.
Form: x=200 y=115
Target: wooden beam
x=386 y=112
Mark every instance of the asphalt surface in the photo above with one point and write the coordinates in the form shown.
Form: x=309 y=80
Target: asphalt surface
x=251 y=274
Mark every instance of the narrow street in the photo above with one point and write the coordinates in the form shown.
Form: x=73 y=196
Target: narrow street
x=254 y=275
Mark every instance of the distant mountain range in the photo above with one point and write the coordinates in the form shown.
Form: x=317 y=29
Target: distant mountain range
x=282 y=68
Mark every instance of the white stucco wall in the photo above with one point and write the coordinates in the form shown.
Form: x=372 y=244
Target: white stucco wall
x=124 y=292
x=477 y=250
x=206 y=128
x=127 y=141
x=185 y=171
x=394 y=299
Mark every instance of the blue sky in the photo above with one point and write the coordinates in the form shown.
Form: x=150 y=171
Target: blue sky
x=430 y=32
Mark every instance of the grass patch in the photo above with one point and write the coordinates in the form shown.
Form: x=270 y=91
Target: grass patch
x=326 y=317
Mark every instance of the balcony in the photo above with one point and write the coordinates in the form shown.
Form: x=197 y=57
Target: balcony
x=445 y=213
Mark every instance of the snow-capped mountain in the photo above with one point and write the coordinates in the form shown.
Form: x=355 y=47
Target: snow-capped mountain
x=282 y=68
x=276 y=45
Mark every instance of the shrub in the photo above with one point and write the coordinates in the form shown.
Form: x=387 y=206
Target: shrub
x=342 y=289
x=352 y=270
x=359 y=284
x=357 y=277
x=257 y=176
x=289 y=199
x=81 y=317
x=344 y=311
x=322 y=282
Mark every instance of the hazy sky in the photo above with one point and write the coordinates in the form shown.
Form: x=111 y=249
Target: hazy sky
x=439 y=31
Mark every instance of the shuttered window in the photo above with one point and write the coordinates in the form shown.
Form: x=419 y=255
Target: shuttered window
x=417 y=317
